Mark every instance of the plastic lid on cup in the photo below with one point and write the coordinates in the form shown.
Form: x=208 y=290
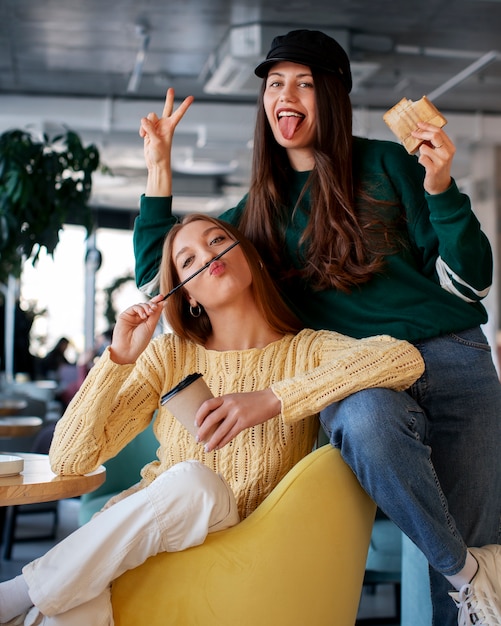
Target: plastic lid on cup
x=191 y=378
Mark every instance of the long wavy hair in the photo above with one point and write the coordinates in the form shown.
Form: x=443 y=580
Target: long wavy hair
x=344 y=246
x=198 y=329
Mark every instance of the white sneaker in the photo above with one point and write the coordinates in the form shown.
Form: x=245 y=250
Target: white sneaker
x=479 y=602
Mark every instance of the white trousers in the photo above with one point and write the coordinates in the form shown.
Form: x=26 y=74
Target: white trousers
x=71 y=584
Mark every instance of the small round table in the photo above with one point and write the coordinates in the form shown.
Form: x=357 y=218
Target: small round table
x=19 y=426
x=12 y=406
x=38 y=483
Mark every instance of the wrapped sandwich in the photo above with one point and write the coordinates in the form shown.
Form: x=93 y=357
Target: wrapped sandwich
x=402 y=119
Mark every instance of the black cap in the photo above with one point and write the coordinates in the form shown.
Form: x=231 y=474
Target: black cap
x=312 y=48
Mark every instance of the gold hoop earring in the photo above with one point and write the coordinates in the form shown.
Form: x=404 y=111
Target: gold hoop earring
x=195 y=311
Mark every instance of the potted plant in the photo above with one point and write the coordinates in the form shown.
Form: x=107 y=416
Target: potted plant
x=43 y=184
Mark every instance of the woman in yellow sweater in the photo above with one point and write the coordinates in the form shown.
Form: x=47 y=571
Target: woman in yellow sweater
x=269 y=379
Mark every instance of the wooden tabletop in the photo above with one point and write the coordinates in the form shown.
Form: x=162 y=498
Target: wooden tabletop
x=19 y=426
x=12 y=406
x=37 y=482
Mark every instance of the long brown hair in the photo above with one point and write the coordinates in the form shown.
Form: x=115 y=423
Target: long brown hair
x=198 y=329
x=343 y=246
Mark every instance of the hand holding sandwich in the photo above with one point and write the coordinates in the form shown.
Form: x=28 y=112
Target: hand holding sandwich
x=435 y=155
x=419 y=126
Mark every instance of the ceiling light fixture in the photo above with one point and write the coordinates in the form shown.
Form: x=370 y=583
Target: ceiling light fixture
x=143 y=32
x=204 y=167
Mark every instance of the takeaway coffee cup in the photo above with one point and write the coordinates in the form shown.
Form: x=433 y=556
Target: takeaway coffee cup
x=185 y=398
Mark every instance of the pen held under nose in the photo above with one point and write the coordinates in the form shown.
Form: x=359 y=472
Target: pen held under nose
x=204 y=267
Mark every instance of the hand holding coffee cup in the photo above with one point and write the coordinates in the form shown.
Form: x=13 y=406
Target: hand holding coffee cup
x=184 y=400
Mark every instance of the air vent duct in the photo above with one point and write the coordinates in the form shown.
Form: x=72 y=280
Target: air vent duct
x=230 y=68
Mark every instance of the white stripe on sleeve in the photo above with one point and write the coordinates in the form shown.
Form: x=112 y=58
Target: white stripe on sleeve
x=447 y=279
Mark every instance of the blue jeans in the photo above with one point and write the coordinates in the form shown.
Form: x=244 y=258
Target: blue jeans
x=429 y=457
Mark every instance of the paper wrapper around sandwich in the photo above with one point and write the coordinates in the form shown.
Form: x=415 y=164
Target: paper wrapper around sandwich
x=184 y=400
x=402 y=119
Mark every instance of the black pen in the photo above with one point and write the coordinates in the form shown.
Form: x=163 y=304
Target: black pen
x=204 y=267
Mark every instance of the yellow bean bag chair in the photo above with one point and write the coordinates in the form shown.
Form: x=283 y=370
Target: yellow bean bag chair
x=298 y=560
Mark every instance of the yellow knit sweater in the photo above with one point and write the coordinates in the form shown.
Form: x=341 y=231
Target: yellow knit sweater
x=307 y=372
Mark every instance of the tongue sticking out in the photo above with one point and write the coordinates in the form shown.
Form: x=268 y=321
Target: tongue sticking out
x=288 y=125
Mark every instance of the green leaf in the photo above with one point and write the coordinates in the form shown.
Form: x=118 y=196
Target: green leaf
x=36 y=196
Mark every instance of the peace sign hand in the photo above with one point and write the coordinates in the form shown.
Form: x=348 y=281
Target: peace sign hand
x=158 y=132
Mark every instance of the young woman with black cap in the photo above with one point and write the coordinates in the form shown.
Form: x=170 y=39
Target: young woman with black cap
x=365 y=239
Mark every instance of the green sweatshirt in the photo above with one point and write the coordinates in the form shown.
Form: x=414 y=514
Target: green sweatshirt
x=431 y=288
